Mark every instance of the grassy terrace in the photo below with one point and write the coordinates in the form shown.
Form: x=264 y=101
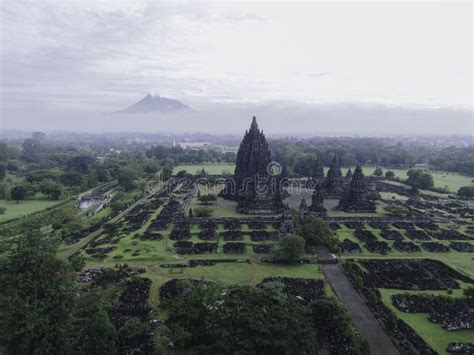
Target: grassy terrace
x=462 y=262
x=151 y=254
x=432 y=333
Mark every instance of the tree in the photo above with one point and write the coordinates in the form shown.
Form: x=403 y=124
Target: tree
x=12 y=166
x=126 y=177
x=101 y=334
x=211 y=319
x=80 y=163
x=466 y=191
x=203 y=211
x=317 y=232
x=304 y=165
x=290 y=249
x=333 y=325
x=378 y=171
x=131 y=334
x=37 y=298
x=4 y=151
x=18 y=193
x=469 y=293
x=389 y=174
x=419 y=179
x=103 y=175
x=32 y=149
x=3 y=170
x=151 y=167
x=77 y=263
x=51 y=189
x=71 y=179
x=166 y=173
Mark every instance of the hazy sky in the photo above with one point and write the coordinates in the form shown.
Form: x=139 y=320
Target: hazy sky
x=105 y=55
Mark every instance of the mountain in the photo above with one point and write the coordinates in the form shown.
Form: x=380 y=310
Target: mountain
x=155 y=104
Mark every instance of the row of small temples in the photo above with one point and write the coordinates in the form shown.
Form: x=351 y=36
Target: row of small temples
x=258 y=182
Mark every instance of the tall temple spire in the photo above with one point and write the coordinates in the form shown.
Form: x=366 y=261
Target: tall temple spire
x=255 y=189
x=318 y=170
x=317 y=202
x=254 y=125
x=348 y=175
x=335 y=161
x=355 y=199
x=333 y=182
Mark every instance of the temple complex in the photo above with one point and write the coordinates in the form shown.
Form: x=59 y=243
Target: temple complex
x=333 y=183
x=355 y=199
x=255 y=186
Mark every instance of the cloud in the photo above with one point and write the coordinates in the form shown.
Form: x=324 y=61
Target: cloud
x=100 y=55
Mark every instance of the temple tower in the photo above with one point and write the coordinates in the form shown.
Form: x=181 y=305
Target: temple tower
x=317 y=172
x=257 y=187
x=317 y=203
x=333 y=183
x=355 y=199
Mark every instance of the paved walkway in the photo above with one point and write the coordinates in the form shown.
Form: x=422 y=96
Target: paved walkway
x=364 y=320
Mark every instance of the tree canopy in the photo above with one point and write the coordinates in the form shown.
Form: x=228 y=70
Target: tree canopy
x=37 y=298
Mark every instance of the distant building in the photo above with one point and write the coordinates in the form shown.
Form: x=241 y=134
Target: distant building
x=194 y=145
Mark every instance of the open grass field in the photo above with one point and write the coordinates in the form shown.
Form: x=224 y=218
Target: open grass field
x=23 y=208
x=442 y=179
x=432 y=333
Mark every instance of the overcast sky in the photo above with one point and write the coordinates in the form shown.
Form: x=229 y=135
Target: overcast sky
x=105 y=55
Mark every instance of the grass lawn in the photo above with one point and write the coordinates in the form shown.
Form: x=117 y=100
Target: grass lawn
x=24 y=208
x=220 y=208
x=212 y=169
x=441 y=179
x=432 y=333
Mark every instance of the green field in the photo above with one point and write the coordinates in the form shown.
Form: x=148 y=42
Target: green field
x=441 y=179
x=432 y=333
x=15 y=210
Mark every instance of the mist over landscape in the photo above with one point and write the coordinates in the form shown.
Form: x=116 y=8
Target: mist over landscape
x=278 y=118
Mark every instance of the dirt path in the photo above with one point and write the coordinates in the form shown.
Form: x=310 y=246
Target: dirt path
x=364 y=320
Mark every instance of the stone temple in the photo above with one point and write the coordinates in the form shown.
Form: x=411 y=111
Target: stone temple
x=355 y=199
x=256 y=181
x=317 y=172
x=317 y=203
x=332 y=185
